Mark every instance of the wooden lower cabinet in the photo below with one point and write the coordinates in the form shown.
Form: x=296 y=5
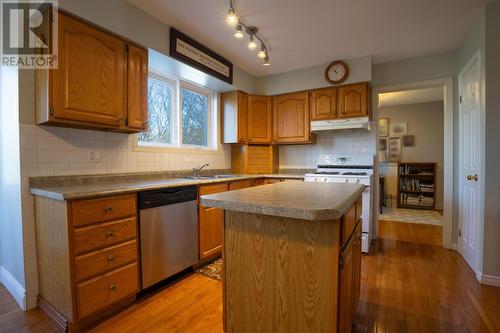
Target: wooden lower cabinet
x=349 y=281
x=210 y=231
x=87 y=261
x=210 y=221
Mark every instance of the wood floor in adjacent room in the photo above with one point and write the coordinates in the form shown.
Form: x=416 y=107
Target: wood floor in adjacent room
x=409 y=284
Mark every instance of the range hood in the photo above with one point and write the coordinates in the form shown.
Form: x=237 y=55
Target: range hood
x=340 y=124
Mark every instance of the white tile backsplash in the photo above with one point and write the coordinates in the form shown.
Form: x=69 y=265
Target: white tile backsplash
x=354 y=142
x=47 y=151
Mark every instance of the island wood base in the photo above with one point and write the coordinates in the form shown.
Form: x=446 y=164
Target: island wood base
x=284 y=275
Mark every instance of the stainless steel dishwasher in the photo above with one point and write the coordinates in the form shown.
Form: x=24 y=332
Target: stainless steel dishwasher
x=168 y=225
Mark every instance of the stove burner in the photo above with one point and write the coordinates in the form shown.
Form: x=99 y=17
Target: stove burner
x=355 y=173
x=333 y=173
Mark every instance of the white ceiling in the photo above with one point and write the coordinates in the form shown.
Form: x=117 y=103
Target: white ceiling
x=303 y=33
x=424 y=95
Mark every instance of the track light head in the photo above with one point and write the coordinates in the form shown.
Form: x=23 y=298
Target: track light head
x=231 y=18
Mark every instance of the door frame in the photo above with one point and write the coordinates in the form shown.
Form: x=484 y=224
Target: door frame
x=482 y=123
x=448 y=200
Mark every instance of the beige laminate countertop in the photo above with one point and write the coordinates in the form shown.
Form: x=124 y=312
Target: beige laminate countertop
x=300 y=200
x=82 y=191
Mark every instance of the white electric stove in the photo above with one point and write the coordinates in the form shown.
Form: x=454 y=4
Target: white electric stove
x=350 y=169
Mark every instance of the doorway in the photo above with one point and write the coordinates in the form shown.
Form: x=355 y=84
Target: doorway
x=421 y=172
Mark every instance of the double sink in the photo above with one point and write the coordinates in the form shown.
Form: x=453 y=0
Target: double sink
x=211 y=177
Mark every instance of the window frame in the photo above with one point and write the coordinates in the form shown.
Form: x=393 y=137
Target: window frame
x=176 y=144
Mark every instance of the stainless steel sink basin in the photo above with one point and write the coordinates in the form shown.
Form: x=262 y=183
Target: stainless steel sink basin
x=211 y=177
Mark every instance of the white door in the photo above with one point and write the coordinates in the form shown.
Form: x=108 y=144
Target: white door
x=470 y=155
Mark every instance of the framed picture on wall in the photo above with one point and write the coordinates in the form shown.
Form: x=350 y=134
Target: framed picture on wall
x=398 y=129
x=395 y=149
x=408 y=140
x=382 y=151
x=383 y=127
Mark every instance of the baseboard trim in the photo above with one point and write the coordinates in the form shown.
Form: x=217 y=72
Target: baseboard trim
x=14 y=287
x=490 y=280
x=55 y=315
x=454 y=246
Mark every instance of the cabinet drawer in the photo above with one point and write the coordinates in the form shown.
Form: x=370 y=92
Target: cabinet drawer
x=241 y=184
x=107 y=289
x=103 y=209
x=349 y=222
x=98 y=262
x=211 y=189
x=103 y=235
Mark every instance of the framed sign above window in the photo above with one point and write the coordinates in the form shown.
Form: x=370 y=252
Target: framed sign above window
x=191 y=52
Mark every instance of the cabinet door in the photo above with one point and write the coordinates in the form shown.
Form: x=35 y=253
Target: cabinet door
x=137 y=92
x=242 y=117
x=211 y=221
x=89 y=84
x=346 y=290
x=324 y=104
x=353 y=100
x=259 y=119
x=291 y=118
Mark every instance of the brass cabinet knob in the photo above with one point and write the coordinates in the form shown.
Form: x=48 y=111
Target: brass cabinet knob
x=112 y=287
x=474 y=178
x=109 y=209
x=109 y=233
x=111 y=258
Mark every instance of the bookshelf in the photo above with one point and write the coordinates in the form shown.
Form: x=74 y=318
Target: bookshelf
x=416 y=185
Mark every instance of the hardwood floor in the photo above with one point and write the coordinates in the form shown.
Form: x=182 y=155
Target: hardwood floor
x=409 y=284
x=412 y=284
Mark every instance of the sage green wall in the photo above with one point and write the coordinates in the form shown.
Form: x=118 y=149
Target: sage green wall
x=491 y=251
x=312 y=77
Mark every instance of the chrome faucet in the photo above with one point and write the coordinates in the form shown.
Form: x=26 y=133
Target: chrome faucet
x=198 y=169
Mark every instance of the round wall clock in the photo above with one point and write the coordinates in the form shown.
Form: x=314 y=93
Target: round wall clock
x=337 y=72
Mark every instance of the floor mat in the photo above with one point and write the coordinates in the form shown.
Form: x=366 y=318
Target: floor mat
x=212 y=270
x=411 y=216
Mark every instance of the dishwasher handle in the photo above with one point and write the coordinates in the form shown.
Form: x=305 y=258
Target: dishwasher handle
x=165 y=197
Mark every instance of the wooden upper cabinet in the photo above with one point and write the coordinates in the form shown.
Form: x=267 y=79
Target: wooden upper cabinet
x=353 y=100
x=100 y=81
x=291 y=118
x=259 y=119
x=323 y=104
x=234 y=110
x=90 y=82
x=137 y=88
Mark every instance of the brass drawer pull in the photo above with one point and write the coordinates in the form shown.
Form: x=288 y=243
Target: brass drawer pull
x=111 y=258
x=109 y=233
x=112 y=287
x=109 y=209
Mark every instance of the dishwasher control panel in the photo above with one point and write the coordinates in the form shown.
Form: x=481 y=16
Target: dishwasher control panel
x=168 y=196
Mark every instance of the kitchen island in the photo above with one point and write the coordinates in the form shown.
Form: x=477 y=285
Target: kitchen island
x=291 y=256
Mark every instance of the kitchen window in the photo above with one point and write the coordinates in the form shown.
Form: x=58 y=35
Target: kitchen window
x=180 y=115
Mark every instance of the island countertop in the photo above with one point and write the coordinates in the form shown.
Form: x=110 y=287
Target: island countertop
x=307 y=201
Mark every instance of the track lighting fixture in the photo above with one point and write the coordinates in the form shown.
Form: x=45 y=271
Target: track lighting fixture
x=239 y=32
x=251 y=43
x=262 y=53
x=266 y=61
x=232 y=19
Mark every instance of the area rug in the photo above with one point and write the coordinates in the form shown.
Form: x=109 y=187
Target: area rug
x=411 y=216
x=212 y=270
